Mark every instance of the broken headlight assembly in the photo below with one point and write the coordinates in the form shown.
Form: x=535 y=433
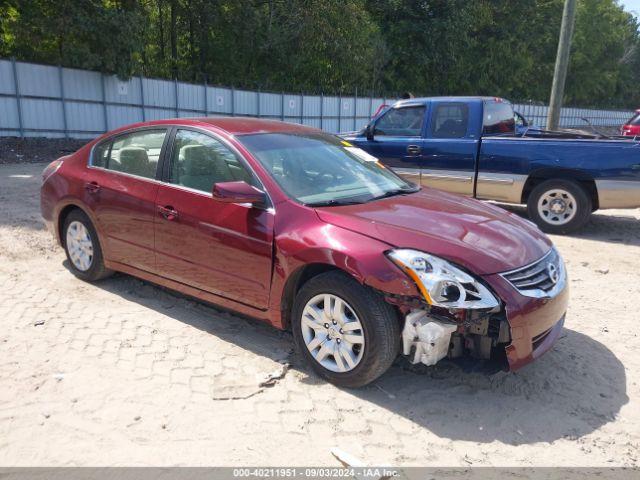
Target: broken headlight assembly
x=441 y=283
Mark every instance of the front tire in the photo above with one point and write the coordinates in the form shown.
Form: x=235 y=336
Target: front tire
x=82 y=246
x=345 y=330
x=559 y=206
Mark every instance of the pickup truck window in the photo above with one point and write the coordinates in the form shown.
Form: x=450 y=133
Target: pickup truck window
x=450 y=120
x=401 y=122
x=498 y=118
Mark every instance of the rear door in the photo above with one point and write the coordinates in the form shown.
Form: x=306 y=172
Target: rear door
x=224 y=249
x=397 y=139
x=451 y=146
x=121 y=188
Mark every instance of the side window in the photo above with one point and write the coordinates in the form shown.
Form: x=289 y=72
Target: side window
x=401 y=122
x=450 y=120
x=498 y=118
x=199 y=161
x=136 y=153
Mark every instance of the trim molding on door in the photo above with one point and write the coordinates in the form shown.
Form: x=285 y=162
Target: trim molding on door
x=453 y=181
x=504 y=187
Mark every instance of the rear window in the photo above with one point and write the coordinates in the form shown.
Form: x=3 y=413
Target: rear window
x=135 y=153
x=635 y=120
x=498 y=118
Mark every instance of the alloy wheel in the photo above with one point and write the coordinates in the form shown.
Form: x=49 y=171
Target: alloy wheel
x=79 y=246
x=332 y=333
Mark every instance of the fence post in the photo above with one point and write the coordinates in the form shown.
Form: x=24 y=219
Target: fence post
x=233 y=101
x=206 y=100
x=258 y=103
x=62 y=100
x=282 y=106
x=104 y=103
x=340 y=112
x=144 y=115
x=355 y=109
x=321 y=111
x=370 y=106
x=301 y=108
x=18 y=100
x=175 y=92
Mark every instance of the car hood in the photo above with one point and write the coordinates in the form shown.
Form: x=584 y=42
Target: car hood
x=481 y=237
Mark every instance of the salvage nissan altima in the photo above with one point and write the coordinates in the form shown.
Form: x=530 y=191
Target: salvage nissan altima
x=301 y=229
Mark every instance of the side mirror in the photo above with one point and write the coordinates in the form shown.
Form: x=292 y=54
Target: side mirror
x=237 y=192
x=368 y=131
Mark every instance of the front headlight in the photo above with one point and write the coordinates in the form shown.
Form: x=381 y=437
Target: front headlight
x=441 y=283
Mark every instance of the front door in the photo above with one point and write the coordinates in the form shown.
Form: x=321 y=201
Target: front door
x=224 y=249
x=450 y=149
x=121 y=188
x=397 y=140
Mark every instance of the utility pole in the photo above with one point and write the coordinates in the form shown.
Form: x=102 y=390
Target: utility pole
x=562 y=64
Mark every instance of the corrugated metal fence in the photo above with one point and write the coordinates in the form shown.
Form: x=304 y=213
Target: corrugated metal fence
x=47 y=101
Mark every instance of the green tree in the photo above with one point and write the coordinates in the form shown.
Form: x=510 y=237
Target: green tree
x=85 y=34
x=428 y=47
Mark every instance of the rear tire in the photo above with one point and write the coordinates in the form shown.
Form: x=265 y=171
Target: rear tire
x=559 y=206
x=354 y=339
x=82 y=246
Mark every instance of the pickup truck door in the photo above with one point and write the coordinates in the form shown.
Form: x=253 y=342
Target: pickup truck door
x=397 y=139
x=450 y=146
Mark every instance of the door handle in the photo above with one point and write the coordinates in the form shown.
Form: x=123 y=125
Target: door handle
x=168 y=212
x=414 y=149
x=92 y=187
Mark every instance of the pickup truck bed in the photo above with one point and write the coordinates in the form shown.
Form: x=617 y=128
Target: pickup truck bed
x=468 y=145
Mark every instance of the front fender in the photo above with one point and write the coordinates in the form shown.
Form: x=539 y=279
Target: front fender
x=321 y=243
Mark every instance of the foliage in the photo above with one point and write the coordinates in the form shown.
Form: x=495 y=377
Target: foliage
x=487 y=47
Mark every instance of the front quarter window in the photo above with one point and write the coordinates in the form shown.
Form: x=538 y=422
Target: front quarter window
x=316 y=169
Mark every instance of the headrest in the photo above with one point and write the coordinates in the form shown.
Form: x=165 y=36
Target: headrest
x=197 y=160
x=134 y=160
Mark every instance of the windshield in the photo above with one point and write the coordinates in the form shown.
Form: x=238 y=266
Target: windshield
x=321 y=169
x=635 y=120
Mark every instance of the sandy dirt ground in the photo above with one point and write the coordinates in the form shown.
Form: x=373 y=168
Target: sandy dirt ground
x=125 y=373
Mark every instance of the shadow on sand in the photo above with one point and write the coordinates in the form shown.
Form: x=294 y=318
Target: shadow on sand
x=602 y=227
x=573 y=390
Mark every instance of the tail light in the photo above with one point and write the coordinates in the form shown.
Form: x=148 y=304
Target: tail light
x=51 y=169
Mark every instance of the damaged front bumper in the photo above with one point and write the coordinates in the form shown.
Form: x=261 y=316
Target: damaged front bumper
x=516 y=334
x=428 y=336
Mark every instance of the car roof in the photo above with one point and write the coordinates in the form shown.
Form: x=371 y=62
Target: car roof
x=452 y=99
x=234 y=125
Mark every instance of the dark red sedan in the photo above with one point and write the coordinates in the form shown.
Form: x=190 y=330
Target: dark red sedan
x=299 y=228
x=632 y=127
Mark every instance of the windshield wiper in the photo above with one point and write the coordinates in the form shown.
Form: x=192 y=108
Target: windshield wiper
x=398 y=191
x=332 y=203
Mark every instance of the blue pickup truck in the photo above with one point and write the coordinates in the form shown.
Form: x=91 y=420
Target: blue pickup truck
x=468 y=145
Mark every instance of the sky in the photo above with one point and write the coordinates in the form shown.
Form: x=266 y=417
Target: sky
x=632 y=6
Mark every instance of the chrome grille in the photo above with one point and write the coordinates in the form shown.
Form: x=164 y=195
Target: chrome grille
x=543 y=278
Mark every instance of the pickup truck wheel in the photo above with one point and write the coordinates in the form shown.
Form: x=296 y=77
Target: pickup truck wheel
x=346 y=331
x=559 y=206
